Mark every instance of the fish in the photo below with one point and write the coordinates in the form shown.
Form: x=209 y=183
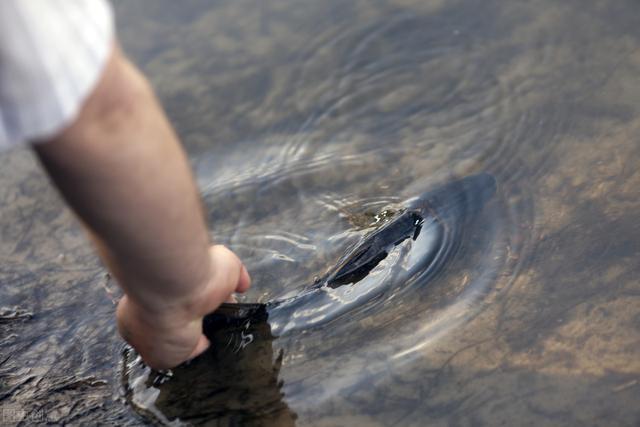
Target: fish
x=432 y=221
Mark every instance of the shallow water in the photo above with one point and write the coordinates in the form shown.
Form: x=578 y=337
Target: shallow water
x=308 y=124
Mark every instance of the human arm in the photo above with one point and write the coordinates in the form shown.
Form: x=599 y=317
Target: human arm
x=121 y=168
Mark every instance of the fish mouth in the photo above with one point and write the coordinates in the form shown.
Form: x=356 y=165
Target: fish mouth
x=412 y=247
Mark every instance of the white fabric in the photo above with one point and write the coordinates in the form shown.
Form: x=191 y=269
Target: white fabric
x=52 y=53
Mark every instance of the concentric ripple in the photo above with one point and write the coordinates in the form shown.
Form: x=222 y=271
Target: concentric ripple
x=368 y=120
x=422 y=288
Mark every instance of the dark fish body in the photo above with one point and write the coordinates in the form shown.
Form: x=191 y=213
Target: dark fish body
x=368 y=254
x=433 y=222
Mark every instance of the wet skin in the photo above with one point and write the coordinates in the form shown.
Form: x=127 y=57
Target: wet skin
x=439 y=215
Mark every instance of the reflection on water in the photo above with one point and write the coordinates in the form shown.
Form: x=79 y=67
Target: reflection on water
x=234 y=382
x=312 y=124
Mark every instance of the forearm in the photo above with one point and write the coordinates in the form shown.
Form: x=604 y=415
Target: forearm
x=121 y=168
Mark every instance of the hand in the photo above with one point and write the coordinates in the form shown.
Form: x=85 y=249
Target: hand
x=166 y=337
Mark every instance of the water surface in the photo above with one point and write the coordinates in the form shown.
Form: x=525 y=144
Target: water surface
x=309 y=123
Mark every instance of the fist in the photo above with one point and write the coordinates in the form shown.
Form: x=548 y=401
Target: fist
x=170 y=333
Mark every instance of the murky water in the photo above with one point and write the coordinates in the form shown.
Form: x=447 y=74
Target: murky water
x=309 y=124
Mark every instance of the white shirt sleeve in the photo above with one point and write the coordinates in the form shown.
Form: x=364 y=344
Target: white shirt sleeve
x=52 y=53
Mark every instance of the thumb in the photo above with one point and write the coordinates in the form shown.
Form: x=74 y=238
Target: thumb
x=230 y=275
x=201 y=346
x=245 y=280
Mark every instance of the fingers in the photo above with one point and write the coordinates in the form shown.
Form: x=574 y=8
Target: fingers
x=160 y=344
x=170 y=337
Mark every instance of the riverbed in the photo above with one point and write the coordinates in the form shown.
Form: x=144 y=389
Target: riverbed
x=307 y=125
